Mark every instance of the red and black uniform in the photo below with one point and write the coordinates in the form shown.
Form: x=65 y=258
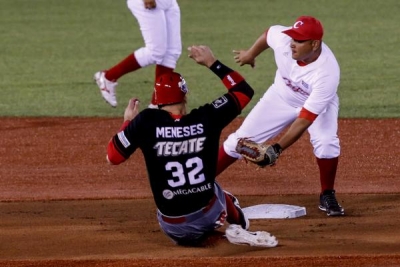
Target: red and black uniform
x=181 y=153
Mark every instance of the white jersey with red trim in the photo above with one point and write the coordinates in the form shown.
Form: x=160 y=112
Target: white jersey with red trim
x=312 y=86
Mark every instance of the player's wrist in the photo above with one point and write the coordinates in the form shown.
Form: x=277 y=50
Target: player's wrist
x=220 y=69
x=278 y=149
x=211 y=62
x=214 y=65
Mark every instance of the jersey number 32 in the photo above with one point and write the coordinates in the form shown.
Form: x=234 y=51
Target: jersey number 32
x=193 y=167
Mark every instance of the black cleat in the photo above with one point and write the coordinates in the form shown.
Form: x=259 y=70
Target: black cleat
x=329 y=204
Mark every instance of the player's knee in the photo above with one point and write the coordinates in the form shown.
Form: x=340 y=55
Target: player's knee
x=170 y=60
x=150 y=56
x=157 y=54
x=326 y=147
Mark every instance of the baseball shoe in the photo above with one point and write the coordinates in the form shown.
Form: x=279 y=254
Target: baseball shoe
x=237 y=235
x=329 y=204
x=107 y=88
x=244 y=221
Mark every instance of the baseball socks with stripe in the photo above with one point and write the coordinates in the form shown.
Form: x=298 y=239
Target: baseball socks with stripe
x=129 y=64
x=328 y=201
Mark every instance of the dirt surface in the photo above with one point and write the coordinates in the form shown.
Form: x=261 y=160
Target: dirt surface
x=62 y=205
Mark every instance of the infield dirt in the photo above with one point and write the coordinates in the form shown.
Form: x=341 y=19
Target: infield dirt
x=62 y=205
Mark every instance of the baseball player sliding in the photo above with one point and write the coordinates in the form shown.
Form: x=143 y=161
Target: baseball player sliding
x=302 y=97
x=160 y=25
x=181 y=150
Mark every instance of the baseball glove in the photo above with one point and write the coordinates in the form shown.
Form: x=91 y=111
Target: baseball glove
x=260 y=154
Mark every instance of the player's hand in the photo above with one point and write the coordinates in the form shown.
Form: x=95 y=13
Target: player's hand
x=243 y=57
x=132 y=109
x=149 y=4
x=202 y=55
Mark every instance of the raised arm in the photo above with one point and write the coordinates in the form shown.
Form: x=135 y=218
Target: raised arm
x=248 y=56
x=232 y=80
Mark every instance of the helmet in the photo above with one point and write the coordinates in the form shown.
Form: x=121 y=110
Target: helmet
x=170 y=88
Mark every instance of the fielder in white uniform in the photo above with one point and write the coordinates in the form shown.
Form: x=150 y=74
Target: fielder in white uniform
x=160 y=25
x=302 y=97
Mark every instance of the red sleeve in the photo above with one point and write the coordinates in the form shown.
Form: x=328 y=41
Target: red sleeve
x=234 y=82
x=308 y=115
x=124 y=125
x=113 y=156
x=242 y=98
x=232 y=79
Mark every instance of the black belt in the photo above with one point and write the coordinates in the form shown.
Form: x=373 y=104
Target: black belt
x=186 y=218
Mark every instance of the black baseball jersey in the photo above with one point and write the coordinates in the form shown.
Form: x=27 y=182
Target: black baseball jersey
x=180 y=154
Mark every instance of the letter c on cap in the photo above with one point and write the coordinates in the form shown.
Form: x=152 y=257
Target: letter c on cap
x=297 y=24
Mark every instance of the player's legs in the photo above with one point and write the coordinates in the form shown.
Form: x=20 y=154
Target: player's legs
x=156 y=32
x=153 y=27
x=127 y=65
x=174 y=42
x=161 y=30
x=234 y=212
x=154 y=48
x=266 y=120
x=325 y=141
x=198 y=225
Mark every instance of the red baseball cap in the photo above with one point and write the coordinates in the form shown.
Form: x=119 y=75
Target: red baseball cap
x=306 y=28
x=170 y=88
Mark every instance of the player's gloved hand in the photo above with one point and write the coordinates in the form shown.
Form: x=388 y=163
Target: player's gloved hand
x=260 y=154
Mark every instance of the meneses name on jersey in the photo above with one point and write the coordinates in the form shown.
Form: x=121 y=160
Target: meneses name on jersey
x=176 y=148
x=179 y=131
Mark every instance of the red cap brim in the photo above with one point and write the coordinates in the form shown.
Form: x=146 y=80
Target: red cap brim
x=296 y=35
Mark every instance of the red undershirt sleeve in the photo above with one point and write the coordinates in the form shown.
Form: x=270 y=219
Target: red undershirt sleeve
x=113 y=156
x=308 y=115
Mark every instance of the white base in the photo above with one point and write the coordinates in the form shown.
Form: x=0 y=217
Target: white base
x=274 y=211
